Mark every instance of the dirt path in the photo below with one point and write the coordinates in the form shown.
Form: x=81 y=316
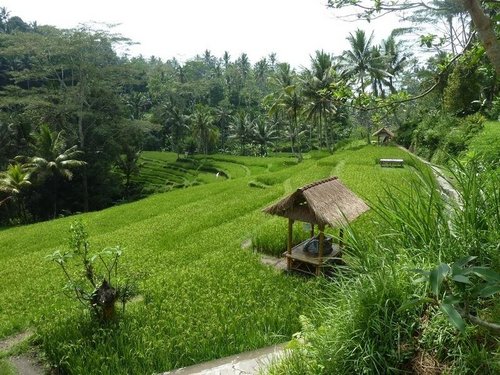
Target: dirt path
x=445 y=185
x=24 y=364
x=11 y=341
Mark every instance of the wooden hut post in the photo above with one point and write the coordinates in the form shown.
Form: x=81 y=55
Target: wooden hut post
x=289 y=244
x=321 y=247
x=312 y=230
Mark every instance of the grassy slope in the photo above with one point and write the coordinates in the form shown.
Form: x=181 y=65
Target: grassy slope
x=204 y=296
x=488 y=140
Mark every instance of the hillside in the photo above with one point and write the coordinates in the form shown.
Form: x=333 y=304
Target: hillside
x=203 y=297
x=487 y=142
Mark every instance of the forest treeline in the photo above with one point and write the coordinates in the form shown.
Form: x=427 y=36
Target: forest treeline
x=75 y=115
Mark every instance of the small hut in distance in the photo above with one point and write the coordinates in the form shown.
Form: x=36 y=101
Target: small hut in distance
x=384 y=136
x=325 y=202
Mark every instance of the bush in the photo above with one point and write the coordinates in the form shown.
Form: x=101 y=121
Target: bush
x=95 y=286
x=362 y=329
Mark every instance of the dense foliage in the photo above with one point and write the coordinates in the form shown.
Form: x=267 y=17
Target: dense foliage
x=379 y=316
x=68 y=97
x=83 y=128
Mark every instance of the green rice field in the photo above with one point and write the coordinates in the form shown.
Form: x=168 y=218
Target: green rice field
x=201 y=295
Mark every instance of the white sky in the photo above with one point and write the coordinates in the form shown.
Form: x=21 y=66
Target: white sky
x=294 y=29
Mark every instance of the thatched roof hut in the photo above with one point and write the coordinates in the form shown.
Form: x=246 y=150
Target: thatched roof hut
x=325 y=202
x=383 y=135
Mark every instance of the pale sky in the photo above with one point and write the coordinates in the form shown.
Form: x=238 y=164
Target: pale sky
x=294 y=29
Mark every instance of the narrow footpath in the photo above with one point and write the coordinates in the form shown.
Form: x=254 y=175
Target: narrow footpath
x=248 y=363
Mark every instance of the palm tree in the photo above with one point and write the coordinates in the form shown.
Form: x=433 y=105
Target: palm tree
x=240 y=126
x=203 y=128
x=127 y=163
x=283 y=76
x=176 y=122
x=264 y=133
x=394 y=60
x=360 y=61
x=378 y=76
x=53 y=160
x=14 y=183
x=243 y=64
x=137 y=103
x=227 y=59
x=289 y=103
x=222 y=120
x=261 y=69
x=317 y=83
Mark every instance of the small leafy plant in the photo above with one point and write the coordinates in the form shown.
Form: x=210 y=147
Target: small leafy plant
x=459 y=289
x=94 y=286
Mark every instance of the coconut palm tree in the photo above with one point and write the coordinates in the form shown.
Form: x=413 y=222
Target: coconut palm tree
x=176 y=124
x=288 y=102
x=395 y=61
x=316 y=85
x=203 y=128
x=14 y=183
x=264 y=134
x=53 y=161
x=240 y=127
x=361 y=61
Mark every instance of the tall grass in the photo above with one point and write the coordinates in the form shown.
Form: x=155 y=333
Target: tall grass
x=365 y=324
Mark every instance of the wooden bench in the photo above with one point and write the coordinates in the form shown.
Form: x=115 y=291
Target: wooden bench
x=391 y=162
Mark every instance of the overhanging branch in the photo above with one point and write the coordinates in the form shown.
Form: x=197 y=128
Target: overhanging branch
x=426 y=92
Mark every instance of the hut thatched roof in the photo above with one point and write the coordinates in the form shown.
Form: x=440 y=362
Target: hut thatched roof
x=325 y=202
x=383 y=130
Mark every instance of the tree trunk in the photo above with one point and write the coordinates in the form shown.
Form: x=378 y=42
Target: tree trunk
x=103 y=301
x=484 y=27
x=81 y=136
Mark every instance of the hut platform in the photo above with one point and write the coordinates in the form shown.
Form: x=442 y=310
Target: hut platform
x=300 y=260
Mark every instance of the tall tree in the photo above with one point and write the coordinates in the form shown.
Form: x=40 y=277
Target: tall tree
x=14 y=183
x=361 y=60
x=288 y=102
x=240 y=126
x=203 y=128
x=316 y=85
x=73 y=83
x=484 y=25
x=53 y=161
x=264 y=134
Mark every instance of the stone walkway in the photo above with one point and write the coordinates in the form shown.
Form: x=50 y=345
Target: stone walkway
x=248 y=363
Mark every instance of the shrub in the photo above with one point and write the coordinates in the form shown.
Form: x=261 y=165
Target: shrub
x=95 y=285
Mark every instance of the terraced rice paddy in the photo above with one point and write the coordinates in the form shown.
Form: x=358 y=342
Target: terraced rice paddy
x=203 y=296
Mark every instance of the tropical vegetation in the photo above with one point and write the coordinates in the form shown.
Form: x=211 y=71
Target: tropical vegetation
x=163 y=168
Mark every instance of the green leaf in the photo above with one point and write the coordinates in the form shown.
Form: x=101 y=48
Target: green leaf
x=461 y=279
x=414 y=302
x=486 y=273
x=489 y=290
x=436 y=277
x=421 y=279
x=463 y=261
x=451 y=300
x=453 y=316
